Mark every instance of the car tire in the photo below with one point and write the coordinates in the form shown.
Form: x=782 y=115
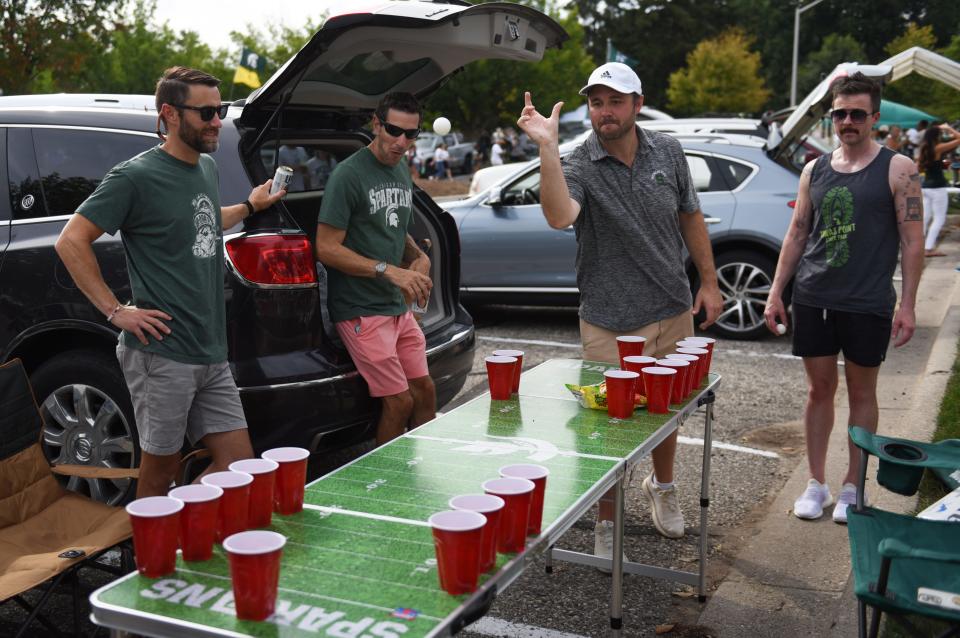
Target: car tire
x=744 y=277
x=88 y=420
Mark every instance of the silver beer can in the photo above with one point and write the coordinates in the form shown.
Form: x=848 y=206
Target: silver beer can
x=281 y=179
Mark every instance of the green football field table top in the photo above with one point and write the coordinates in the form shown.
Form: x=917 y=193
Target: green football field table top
x=359 y=560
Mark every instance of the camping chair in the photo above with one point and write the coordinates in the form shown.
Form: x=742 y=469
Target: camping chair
x=902 y=564
x=47 y=533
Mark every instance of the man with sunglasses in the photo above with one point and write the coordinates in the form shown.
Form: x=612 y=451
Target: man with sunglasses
x=376 y=268
x=173 y=346
x=856 y=207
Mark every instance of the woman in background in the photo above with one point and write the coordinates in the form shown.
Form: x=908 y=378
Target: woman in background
x=935 y=197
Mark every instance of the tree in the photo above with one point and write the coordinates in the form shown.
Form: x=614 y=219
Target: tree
x=48 y=43
x=722 y=75
x=836 y=48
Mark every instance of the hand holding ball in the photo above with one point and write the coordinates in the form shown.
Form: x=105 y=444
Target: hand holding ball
x=781 y=329
x=441 y=126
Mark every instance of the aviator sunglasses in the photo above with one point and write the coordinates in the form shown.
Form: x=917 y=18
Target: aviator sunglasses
x=206 y=112
x=857 y=116
x=395 y=131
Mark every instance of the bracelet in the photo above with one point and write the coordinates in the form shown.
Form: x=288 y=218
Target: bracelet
x=113 y=313
x=250 y=209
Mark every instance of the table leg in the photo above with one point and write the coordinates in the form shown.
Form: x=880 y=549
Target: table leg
x=616 y=596
x=705 y=493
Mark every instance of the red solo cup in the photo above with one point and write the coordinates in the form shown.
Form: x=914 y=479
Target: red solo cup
x=710 y=343
x=457 y=539
x=500 y=372
x=255 y=571
x=678 y=389
x=491 y=507
x=518 y=366
x=235 y=502
x=691 y=370
x=630 y=346
x=516 y=494
x=156 y=522
x=621 y=386
x=538 y=475
x=636 y=363
x=264 y=473
x=291 y=478
x=702 y=366
x=659 y=382
x=198 y=519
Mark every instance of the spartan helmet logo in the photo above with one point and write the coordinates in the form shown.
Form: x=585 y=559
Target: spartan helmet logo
x=252 y=60
x=392 y=219
x=204 y=219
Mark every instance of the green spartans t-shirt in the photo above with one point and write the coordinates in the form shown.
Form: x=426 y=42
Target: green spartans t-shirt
x=372 y=202
x=168 y=215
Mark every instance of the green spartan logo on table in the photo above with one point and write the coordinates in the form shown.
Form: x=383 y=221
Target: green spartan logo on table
x=837 y=210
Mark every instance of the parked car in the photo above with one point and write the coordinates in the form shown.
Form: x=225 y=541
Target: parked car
x=746 y=187
x=297 y=384
x=461 y=152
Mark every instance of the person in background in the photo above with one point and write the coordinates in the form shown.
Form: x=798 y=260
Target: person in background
x=914 y=137
x=441 y=162
x=935 y=196
x=496 y=152
x=893 y=141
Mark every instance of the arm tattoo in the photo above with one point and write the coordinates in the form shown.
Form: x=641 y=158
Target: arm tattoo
x=914 y=210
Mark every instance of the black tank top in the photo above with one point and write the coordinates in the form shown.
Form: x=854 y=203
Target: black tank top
x=851 y=251
x=933 y=176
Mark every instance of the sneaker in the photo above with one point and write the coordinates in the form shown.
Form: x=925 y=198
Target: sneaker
x=846 y=498
x=667 y=517
x=811 y=503
x=603 y=543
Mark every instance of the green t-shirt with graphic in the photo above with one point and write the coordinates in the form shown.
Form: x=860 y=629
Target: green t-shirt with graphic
x=372 y=202
x=168 y=215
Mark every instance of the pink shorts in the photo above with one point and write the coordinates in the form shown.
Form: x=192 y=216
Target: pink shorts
x=386 y=350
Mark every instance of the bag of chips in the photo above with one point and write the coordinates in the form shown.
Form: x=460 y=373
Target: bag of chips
x=594 y=396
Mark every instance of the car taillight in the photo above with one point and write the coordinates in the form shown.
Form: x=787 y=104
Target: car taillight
x=273 y=259
x=792 y=203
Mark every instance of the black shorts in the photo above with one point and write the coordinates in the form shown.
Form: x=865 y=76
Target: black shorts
x=863 y=338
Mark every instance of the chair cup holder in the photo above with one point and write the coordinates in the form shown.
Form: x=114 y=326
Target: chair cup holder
x=897 y=471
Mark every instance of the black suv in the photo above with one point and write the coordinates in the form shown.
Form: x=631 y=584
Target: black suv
x=297 y=384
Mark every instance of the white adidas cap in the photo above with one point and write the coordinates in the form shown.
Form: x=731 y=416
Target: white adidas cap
x=617 y=75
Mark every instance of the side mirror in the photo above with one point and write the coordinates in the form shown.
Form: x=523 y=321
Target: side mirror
x=495 y=197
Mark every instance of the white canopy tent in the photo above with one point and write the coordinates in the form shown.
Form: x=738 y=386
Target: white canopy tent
x=926 y=63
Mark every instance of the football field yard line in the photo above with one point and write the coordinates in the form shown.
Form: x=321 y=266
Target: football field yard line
x=376 y=517
x=728 y=446
x=393 y=539
x=559 y=452
x=488 y=626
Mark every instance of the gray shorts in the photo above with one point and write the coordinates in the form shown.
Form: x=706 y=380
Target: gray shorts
x=172 y=400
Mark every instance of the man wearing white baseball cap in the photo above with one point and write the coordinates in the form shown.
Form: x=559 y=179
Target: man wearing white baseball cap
x=628 y=193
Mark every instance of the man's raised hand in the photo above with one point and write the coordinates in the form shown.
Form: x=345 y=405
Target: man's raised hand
x=541 y=130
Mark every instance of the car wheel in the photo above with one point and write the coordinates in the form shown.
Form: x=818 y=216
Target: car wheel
x=88 y=420
x=744 y=278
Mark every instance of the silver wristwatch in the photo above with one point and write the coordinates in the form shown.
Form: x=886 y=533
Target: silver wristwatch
x=380 y=269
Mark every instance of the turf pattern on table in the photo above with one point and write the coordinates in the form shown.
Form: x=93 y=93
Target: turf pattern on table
x=359 y=560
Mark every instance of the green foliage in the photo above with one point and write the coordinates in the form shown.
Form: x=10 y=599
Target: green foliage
x=489 y=93
x=722 y=75
x=836 y=48
x=276 y=43
x=47 y=44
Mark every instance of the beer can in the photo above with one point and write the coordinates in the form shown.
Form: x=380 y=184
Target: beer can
x=281 y=179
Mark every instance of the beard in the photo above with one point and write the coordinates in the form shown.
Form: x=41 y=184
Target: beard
x=193 y=137
x=621 y=130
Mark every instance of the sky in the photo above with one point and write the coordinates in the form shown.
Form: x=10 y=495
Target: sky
x=214 y=23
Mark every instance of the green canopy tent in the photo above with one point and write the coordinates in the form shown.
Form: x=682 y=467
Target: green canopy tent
x=894 y=114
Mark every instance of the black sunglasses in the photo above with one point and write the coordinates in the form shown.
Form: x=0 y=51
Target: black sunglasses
x=395 y=131
x=857 y=116
x=206 y=112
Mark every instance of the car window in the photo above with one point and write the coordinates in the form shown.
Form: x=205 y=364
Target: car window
x=26 y=196
x=311 y=164
x=702 y=174
x=734 y=172
x=73 y=162
x=525 y=190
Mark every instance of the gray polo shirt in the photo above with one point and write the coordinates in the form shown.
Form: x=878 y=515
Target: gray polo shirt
x=629 y=248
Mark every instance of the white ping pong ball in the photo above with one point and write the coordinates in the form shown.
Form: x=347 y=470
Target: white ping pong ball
x=781 y=329
x=441 y=126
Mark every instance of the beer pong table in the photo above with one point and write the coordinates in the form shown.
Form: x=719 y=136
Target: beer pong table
x=359 y=559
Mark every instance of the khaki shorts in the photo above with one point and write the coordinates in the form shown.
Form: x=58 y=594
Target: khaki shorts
x=173 y=400
x=600 y=344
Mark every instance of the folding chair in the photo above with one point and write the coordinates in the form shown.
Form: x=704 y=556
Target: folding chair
x=903 y=565
x=47 y=533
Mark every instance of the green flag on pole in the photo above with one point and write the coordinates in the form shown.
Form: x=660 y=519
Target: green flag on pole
x=249 y=69
x=618 y=56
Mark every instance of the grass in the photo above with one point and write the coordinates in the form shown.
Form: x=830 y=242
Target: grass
x=932 y=490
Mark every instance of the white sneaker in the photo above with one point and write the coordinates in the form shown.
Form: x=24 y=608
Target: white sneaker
x=811 y=503
x=603 y=543
x=664 y=508
x=846 y=498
